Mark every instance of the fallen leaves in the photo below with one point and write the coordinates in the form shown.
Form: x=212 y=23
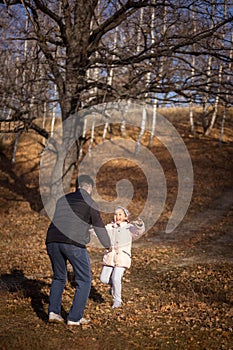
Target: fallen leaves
x=170 y=300
x=163 y=304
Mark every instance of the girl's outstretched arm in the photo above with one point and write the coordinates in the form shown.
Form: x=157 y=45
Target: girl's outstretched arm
x=137 y=228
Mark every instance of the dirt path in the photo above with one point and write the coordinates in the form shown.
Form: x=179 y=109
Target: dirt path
x=208 y=236
x=216 y=211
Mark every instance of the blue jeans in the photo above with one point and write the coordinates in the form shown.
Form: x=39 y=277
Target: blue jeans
x=78 y=257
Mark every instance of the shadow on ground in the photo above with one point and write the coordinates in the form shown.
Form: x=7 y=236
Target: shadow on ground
x=16 y=185
x=16 y=282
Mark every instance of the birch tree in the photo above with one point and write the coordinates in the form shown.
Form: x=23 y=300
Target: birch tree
x=83 y=32
x=219 y=80
x=227 y=91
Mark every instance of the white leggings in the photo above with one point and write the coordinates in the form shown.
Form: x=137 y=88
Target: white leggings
x=113 y=276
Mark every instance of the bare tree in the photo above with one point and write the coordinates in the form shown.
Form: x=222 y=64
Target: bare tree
x=225 y=104
x=219 y=80
x=68 y=39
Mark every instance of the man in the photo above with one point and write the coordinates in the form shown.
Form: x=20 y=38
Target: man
x=66 y=239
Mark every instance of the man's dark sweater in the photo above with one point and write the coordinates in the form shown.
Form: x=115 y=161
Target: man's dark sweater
x=74 y=214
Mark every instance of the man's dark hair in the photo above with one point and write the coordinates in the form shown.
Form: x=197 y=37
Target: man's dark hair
x=83 y=180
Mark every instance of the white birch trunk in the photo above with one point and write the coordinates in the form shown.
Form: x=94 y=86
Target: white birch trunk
x=83 y=135
x=214 y=116
x=208 y=79
x=25 y=46
x=225 y=106
x=191 y=119
x=53 y=113
x=124 y=111
x=15 y=145
x=142 y=130
x=139 y=31
x=222 y=125
x=138 y=144
x=92 y=136
x=208 y=74
x=17 y=134
x=160 y=72
x=95 y=92
x=93 y=116
x=155 y=98
x=105 y=131
x=110 y=81
x=154 y=118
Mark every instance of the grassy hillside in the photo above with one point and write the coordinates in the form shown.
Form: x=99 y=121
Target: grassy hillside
x=178 y=293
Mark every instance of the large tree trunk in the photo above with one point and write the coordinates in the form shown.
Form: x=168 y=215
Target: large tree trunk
x=61 y=156
x=76 y=36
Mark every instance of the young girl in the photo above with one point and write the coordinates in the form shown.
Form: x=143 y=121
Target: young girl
x=118 y=258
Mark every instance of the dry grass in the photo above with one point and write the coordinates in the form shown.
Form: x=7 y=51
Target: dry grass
x=178 y=293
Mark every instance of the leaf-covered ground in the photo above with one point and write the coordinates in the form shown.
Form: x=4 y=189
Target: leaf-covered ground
x=169 y=303
x=178 y=293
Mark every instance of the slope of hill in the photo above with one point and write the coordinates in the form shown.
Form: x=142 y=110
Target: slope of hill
x=178 y=293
